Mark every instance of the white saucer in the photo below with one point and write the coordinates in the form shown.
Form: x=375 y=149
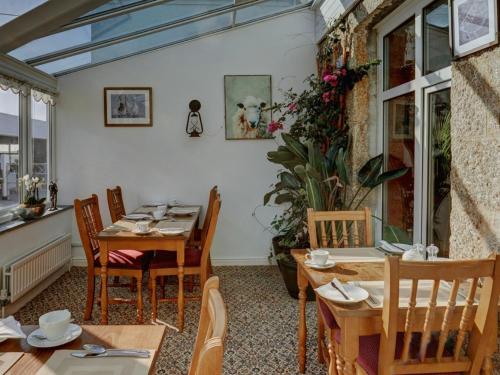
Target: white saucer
x=137 y=217
x=74 y=330
x=355 y=293
x=171 y=231
x=136 y=231
x=329 y=264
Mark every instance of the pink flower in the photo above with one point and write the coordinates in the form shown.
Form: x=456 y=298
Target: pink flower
x=334 y=83
x=330 y=78
x=274 y=126
x=326 y=97
x=292 y=107
x=343 y=71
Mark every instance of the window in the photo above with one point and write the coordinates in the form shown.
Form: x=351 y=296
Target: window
x=9 y=148
x=414 y=109
x=25 y=146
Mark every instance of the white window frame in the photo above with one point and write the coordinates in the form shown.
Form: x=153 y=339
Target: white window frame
x=400 y=15
x=26 y=145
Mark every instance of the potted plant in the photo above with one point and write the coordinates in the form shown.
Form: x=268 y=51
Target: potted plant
x=33 y=206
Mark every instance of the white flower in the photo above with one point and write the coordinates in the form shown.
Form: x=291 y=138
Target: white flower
x=26 y=178
x=36 y=180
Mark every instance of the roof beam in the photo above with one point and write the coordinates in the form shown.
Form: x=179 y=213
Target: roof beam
x=90 y=46
x=42 y=21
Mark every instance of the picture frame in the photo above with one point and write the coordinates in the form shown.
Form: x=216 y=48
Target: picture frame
x=247 y=106
x=474 y=26
x=128 y=107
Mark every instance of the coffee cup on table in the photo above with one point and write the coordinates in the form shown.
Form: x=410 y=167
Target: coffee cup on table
x=54 y=324
x=158 y=214
x=319 y=257
x=142 y=226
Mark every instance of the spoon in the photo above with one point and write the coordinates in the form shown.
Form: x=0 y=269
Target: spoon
x=99 y=349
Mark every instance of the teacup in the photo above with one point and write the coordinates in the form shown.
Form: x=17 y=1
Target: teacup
x=54 y=324
x=318 y=257
x=158 y=214
x=142 y=226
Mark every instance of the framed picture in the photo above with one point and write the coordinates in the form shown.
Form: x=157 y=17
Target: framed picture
x=402 y=125
x=248 y=102
x=128 y=106
x=474 y=25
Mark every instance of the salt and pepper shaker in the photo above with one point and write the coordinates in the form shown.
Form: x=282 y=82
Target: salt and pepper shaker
x=432 y=250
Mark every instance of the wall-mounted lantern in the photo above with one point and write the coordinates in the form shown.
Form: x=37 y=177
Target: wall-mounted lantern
x=194 y=125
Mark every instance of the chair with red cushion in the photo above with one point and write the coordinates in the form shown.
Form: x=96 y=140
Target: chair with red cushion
x=332 y=229
x=430 y=345
x=128 y=263
x=164 y=263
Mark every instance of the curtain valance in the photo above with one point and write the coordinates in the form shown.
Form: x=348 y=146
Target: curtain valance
x=19 y=87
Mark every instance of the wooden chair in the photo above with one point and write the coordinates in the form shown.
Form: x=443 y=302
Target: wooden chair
x=334 y=229
x=201 y=233
x=115 y=203
x=164 y=263
x=129 y=263
x=209 y=346
x=425 y=344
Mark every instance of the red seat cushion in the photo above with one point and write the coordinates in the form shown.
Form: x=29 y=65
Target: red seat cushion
x=168 y=259
x=328 y=317
x=369 y=347
x=130 y=259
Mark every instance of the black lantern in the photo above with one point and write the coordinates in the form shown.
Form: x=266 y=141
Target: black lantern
x=194 y=125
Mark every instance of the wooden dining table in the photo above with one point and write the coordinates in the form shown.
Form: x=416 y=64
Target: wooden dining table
x=120 y=236
x=110 y=336
x=354 y=320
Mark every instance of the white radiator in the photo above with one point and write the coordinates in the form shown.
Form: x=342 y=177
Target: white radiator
x=20 y=276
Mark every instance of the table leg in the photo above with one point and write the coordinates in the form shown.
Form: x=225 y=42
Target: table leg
x=350 y=345
x=302 y=333
x=321 y=333
x=103 y=257
x=180 y=275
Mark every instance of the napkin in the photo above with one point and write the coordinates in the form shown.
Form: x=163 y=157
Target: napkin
x=10 y=328
x=397 y=248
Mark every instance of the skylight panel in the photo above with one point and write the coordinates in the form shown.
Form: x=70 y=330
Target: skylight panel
x=10 y=9
x=264 y=9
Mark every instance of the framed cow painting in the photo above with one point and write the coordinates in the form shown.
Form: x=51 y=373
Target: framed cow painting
x=248 y=105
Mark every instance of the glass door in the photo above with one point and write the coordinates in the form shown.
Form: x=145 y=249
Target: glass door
x=437 y=205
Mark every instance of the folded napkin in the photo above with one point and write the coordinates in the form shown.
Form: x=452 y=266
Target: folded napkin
x=397 y=248
x=10 y=328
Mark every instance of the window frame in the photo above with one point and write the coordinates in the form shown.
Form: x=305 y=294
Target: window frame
x=26 y=144
x=409 y=9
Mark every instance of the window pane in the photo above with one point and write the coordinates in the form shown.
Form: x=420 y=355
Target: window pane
x=40 y=141
x=399 y=55
x=438 y=231
x=157 y=40
x=263 y=9
x=399 y=117
x=9 y=148
x=116 y=27
x=10 y=9
x=437 y=53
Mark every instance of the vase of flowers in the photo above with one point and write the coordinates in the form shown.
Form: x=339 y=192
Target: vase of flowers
x=33 y=206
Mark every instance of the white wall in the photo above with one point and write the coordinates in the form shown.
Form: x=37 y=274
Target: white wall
x=162 y=162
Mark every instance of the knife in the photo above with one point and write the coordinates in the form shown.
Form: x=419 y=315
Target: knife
x=114 y=353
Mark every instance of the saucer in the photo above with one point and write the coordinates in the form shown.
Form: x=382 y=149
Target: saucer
x=355 y=293
x=136 y=231
x=329 y=264
x=73 y=331
x=137 y=217
x=171 y=231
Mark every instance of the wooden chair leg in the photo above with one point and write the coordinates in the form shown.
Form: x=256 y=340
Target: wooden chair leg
x=153 y=299
x=340 y=363
x=332 y=368
x=203 y=277
x=210 y=270
x=133 y=286
x=163 y=283
x=321 y=334
x=90 y=295
x=139 y=300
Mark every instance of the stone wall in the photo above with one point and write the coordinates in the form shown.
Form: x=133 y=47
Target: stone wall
x=475 y=149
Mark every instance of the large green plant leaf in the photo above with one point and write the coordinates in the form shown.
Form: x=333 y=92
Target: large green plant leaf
x=280 y=156
x=283 y=198
x=313 y=191
x=267 y=196
x=367 y=175
x=396 y=235
x=341 y=165
x=295 y=146
x=288 y=180
x=391 y=175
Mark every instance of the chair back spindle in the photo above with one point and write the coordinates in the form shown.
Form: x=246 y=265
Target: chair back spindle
x=115 y=203
x=89 y=223
x=211 y=198
x=340 y=228
x=434 y=336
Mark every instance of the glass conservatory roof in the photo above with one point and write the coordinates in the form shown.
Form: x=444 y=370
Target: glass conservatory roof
x=122 y=28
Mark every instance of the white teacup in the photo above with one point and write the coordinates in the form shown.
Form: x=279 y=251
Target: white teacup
x=158 y=214
x=54 y=324
x=318 y=257
x=142 y=226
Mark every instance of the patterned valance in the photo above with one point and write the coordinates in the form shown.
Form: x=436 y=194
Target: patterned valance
x=19 y=87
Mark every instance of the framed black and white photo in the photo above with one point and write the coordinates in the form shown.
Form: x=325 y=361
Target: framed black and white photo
x=474 y=25
x=128 y=106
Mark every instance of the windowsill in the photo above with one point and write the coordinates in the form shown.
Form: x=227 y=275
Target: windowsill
x=19 y=223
